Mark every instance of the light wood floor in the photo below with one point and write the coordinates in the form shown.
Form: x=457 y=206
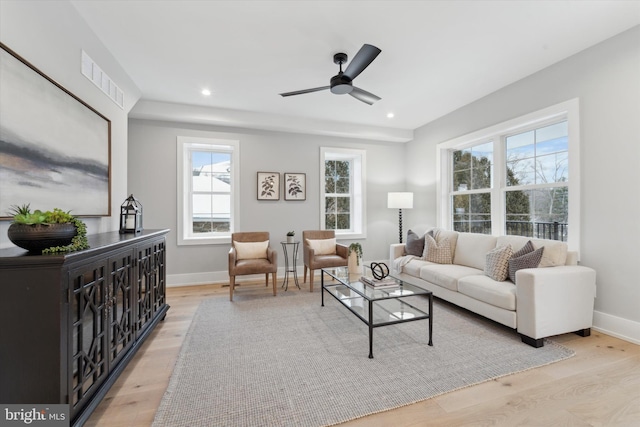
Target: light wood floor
x=600 y=386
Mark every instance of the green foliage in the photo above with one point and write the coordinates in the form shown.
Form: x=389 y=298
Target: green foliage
x=23 y=215
x=357 y=248
x=78 y=242
x=291 y=233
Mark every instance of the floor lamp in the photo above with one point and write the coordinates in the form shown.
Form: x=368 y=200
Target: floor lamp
x=400 y=200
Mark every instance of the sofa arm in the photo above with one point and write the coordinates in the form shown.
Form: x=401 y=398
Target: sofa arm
x=396 y=251
x=554 y=300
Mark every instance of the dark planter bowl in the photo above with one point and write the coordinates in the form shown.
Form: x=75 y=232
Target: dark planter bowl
x=37 y=237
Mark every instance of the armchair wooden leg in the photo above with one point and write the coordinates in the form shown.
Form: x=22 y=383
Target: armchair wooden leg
x=310 y=280
x=266 y=279
x=305 y=275
x=274 y=284
x=232 y=282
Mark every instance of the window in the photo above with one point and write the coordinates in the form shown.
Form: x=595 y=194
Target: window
x=513 y=178
x=471 y=189
x=207 y=177
x=537 y=168
x=342 y=177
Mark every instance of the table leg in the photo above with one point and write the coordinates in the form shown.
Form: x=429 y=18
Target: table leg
x=295 y=271
x=285 y=282
x=430 y=319
x=370 y=329
x=321 y=286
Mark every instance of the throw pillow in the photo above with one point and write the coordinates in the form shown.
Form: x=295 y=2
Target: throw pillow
x=529 y=260
x=497 y=263
x=431 y=233
x=251 y=250
x=438 y=252
x=528 y=247
x=414 y=245
x=323 y=246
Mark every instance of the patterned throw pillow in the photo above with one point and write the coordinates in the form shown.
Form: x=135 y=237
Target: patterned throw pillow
x=528 y=260
x=497 y=263
x=415 y=244
x=524 y=250
x=431 y=233
x=438 y=252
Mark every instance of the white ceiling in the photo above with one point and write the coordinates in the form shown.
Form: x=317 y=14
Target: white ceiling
x=436 y=55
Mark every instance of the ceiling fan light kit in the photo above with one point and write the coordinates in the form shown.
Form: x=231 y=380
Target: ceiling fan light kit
x=342 y=83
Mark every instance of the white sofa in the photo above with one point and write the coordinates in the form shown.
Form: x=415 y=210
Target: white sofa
x=545 y=301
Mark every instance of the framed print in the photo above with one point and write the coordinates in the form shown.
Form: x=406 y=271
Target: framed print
x=55 y=150
x=268 y=185
x=295 y=186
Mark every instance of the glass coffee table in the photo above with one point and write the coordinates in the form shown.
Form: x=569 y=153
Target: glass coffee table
x=376 y=306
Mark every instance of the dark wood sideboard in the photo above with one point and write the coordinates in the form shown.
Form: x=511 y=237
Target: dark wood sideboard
x=69 y=324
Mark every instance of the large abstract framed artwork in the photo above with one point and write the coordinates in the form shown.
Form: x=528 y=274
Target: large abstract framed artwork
x=55 y=150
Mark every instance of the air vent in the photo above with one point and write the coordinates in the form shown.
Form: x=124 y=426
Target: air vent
x=99 y=78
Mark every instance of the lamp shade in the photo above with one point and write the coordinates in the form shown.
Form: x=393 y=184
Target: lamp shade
x=400 y=200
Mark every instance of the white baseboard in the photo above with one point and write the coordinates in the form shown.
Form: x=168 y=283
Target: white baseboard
x=211 y=277
x=618 y=327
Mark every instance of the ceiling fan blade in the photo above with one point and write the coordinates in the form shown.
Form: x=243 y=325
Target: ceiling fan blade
x=364 y=96
x=300 y=92
x=363 y=58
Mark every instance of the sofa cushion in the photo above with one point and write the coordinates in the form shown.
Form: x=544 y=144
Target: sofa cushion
x=472 y=248
x=485 y=289
x=555 y=252
x=414 y=245
x=251 y=250
x=528 y=260
x=438 y=252
x=323 y=246
x=414 y=266
x=497 y=263
x=447 y=275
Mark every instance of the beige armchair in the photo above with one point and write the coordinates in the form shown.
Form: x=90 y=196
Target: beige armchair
x=320 y=251
x=251 y=253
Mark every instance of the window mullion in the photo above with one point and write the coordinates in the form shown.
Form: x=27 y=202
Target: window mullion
x=499 y=183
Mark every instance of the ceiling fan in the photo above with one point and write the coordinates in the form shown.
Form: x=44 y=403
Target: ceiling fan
x=342 y=82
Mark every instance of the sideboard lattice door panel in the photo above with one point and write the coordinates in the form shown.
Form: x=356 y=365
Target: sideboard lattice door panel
x=159 y=285
x=89 y=332
x=144 y=284
x=121 y=320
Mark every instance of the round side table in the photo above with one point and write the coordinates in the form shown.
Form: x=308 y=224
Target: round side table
x=287 y=268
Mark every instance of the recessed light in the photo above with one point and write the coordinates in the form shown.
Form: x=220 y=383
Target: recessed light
x=390 y=115
x=206 y=92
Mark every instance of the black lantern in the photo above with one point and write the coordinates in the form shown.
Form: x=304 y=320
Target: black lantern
x=131 y=216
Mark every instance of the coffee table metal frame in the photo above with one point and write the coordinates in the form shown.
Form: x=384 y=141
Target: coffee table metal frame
x=376 y=307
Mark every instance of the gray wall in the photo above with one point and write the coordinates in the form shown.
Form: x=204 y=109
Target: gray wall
x=51 y=36
x=153 y=180
x=606 y=79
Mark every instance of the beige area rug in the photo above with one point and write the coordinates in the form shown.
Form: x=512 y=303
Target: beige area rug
x=286 y=361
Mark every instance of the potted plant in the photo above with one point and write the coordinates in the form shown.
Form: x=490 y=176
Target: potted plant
x=355 y=258
x=290 y=236
x=46 y=232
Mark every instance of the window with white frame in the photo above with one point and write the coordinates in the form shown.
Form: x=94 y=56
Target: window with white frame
x=513 y=178
x=342 y=193
x=207 y=180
